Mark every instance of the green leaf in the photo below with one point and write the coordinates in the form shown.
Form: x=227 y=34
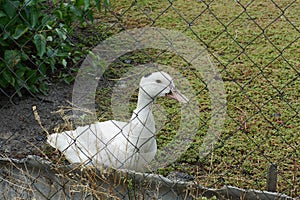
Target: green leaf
x=68 y=79
x=46 y=20
x=19 y=92
x=31 y=2
x=64 y=62
x=2 y=14
x=43 y=88
x=32 y=77
x=8 y=77
x=98 y=4
x=86 y=4
x=34 y=16
x=32 y=88
x=6 y=35
x=40 y=44
x=19 y=31
x=20 y=72
x=3 y=82
x=12 y=58
x=89 y=15
x=43 y=70
x=61 y=33
x=50 y=52
x=79 y=3
x=59 y=14
x=49 y=38
x=106 y=3
x=10 y=8
x=76 y=11
x=3 y=43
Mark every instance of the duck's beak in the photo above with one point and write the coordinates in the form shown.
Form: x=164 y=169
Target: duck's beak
x=175 y=94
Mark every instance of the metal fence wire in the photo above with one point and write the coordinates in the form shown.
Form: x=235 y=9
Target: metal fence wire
x=244 y=57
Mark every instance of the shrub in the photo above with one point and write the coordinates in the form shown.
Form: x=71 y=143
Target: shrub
x=35 y=40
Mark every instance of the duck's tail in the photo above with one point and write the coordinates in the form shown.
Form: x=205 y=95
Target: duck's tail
x=65 y=143
x=60 y=141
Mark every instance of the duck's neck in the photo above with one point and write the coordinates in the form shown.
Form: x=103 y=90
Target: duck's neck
x=144 y=103
x=143 y=110
x=142 y=118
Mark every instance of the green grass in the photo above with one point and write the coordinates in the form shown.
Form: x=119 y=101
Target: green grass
x=257 y=54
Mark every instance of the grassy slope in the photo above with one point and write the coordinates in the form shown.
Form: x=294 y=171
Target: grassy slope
x=257 y=52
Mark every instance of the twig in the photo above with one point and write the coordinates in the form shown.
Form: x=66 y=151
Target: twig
x=38 y=119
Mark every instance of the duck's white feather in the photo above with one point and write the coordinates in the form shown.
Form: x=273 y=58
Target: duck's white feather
x=105 y=143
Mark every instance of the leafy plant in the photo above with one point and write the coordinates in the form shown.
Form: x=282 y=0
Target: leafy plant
x=35 y=41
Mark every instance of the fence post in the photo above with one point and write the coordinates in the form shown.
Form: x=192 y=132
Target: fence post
x=272 y=177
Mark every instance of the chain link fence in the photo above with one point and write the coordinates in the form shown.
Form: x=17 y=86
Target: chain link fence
x=254 y=47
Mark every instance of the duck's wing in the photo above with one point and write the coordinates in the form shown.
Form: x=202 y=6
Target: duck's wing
x=83 y=143
x=73 y=143
x=104 y=143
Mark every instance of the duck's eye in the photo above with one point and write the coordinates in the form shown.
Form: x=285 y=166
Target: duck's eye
x=158 y=81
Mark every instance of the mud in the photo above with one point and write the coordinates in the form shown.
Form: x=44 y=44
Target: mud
x=20 y=133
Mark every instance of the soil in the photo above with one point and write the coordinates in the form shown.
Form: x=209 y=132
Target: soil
x=20 y=133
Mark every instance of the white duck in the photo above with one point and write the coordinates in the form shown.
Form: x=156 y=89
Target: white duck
x=128 y=145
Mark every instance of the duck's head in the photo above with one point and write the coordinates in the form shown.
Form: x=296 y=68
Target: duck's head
x=158 y=84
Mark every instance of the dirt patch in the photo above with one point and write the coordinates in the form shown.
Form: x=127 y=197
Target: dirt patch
x=20 y=133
